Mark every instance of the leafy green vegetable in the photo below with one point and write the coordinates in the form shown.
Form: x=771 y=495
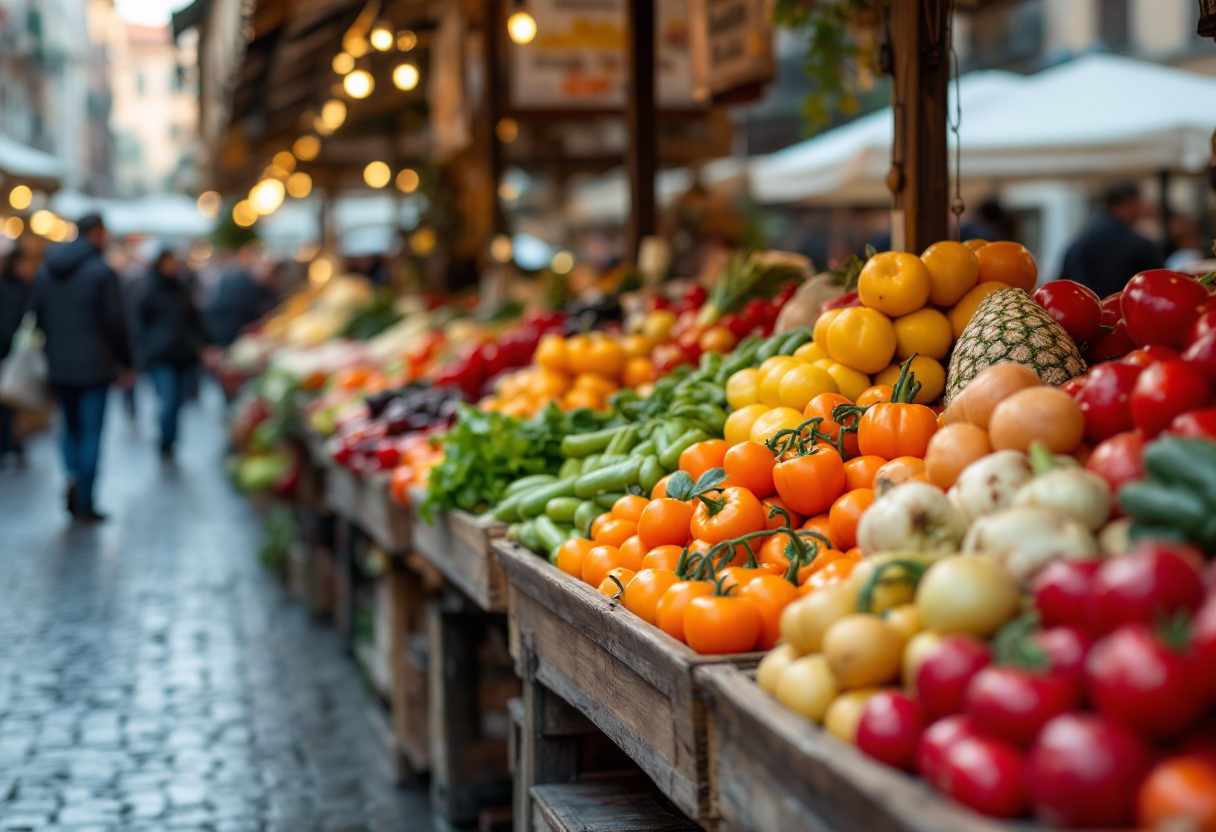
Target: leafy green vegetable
x=486 y=452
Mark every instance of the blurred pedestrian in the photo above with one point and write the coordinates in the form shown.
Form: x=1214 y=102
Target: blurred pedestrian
x=79 y=309
x=1109 y=252
x=1185 y=243
x=168 y=340
x=240 y=297
x=15 y=278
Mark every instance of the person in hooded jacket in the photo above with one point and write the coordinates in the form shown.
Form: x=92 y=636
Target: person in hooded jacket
x=169 y=339
x=15 y=280
x=79 y=309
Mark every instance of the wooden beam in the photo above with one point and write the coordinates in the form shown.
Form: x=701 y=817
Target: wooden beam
x=494 y=88
x=921 y=69
x=642 y=155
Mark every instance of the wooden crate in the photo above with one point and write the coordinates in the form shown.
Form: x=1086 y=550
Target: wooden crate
x=460 y=546
x=609 y=805
x=776 y=772
x=366 y=502
x=634 y=682
x=409 y=674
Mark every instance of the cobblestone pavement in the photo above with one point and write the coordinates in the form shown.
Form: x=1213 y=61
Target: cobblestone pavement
x=153 y=677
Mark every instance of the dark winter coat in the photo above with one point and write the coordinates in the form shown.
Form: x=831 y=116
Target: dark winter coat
x=237 y=301
x=79 y=308
x=14 y=294
x=1108 y=254
x=168 y=330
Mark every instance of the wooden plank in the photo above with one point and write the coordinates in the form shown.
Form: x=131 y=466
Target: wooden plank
x=386 y=521
x=470 y=683
x=542 y=759
x=409 y=682
x=631 y=680
x=459 y=545
x=777 y=772
x=613 y=805
x=641 y=157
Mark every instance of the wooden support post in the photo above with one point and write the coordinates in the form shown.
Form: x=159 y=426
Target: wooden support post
x=921 y=68
x=548 y=746
x=344 y=577
x=409 y=706
x=642 y=156
x=493 y=82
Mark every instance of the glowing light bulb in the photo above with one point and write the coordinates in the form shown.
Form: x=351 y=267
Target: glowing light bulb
x=267 y=196
x=209 y=203
x=358 y=84
x=381 y=38
x=243 y=214
x=405 y=76
x=521 y=26
x=501 y=249
x=343 y=63
x=306 y=148
x=377 y=174
x=20 y=197
x=299 y=184
x=333 y=113
x=42 y=222
x=407 y=181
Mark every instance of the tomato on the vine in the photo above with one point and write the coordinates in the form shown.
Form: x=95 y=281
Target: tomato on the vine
x=750 y=465
x=1112 y=308
x=720 y=624
x=1201 y=354
x=810 y=483
x=734 y=513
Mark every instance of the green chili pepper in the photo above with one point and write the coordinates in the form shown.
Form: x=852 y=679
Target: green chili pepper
x=548 y=534
x=534 y=501
x=579 y=445
x=526 y=483
x=615 y=477
x=527 y=536
x=588 y=510
x=650 y=473
x=562 y=509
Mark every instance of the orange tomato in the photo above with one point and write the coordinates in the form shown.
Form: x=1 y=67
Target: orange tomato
x=660 y=488
x=895 y=283
x=665 y=522
x=615 y=532
x=775 y=519
x=821 y=407
x=629 y=507
x=663 y=557
x=889 y=430
x=399 y=483
x=1179 y=791
x=643 y=593
x=599 y=562
x=835 y=572
x=702 y=456
x=809 y=484
x=975 y=244
x=750 y=465
x=953 y=270
x=821 y=523
x=623 y=577
x=632 y=553
x=952 y=449
x=582 y=397
x=551 y=353
x=860 y=470
x=900 y=469
x=571 y=554
x=772 y=552
x=770 y=594
x=597 y=525
x=874 y=395
x=606 y=357
x=1008 y=263
x=736 y=513
x=721 y=624
x=638 y=371
x=674 y=604
x=846 y=513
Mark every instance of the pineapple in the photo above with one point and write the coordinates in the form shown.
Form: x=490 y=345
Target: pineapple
x=1010 y=326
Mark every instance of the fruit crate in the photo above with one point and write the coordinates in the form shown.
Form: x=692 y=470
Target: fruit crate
x=365 y=501
x=459 y=545
x=632 y=681
x=774 y=771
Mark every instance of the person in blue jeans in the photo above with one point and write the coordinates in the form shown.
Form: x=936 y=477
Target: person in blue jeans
x=79 y=309
x=169 y=338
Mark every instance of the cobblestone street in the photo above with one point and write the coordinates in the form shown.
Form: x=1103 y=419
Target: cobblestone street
x=153 y=676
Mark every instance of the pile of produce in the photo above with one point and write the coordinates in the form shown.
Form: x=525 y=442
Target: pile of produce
x=970 y=553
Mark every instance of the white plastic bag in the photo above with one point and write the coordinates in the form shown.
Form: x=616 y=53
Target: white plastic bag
x=23 y=373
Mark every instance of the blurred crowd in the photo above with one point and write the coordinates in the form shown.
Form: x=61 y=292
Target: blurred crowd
x=109 y=316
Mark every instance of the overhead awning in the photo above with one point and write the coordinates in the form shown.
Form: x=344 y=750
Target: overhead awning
x=23 y=164
x=1096 y=116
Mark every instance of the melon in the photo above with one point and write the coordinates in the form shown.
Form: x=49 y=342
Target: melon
x=1009 y=326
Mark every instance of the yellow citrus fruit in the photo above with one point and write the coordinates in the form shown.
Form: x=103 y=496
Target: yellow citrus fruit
x=551 y=353
x=739 y=424
x=862 y=338
x=1008 y=263
x=779 y=418
x=975 y=244
x=769 y=386
x=810 y=352
x=953 y=270
x=960 y=314
x=895 y=283
x=804 y=383
x=925 y=332
x=741 y=388
x=822 y=324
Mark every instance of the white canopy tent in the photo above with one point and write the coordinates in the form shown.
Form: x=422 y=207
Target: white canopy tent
x=604 y=200
x=1099 y=115
x=23 y=164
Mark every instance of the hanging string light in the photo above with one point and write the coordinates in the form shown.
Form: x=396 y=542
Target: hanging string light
x=285 y=160
x=20 y=197
x=377 y=174
x=343 y=63
x=299 y=185
x=243 y=214
x=358 y=84
x=209 y=203
x=306 y=148
x=333 y=113
x=407 y=180
x=405 y=76
x=406 y=40
x=521 y=26
x=381 y=37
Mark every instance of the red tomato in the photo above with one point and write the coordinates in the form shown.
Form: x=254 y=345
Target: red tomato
x=1073 y=306
x=1061 y=591
x=695 y=295
x=667 y=357
x=1113 y=343
x=1112 y=309
x=1066 y=647
x=1151 y=354
x=1165 y=390
x=1198 y=424
x=1161 y=306
x=1135 y=679
x=1205 y=323
x=1106 y=399
x=1083 y=771
x=1203 y=638
x=1012 y=704
x=937 y=738
x=844 y=301
x=1155 y=579
x=890 y=728
x=986 y=775
x=943 y=676
x=1118 y=459
x=1201 y=355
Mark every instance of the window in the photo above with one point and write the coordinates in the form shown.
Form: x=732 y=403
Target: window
x=140 y=83
x=1113 y=23
x=1006 y=35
